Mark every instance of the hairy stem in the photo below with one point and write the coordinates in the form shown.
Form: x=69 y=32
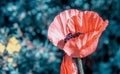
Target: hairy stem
x=80 y=66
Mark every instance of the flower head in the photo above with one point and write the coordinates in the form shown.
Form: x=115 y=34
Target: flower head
x=77 y=33
x=88 y=25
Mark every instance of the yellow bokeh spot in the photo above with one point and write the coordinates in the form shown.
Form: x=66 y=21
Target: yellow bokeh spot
x=2 y=48
x=13 y=40
x=10 y=60
x=13 y=46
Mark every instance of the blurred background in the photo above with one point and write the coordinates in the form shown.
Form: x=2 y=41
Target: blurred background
x=25 y=49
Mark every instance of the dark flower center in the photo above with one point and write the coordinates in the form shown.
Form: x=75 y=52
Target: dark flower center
x=70 y=36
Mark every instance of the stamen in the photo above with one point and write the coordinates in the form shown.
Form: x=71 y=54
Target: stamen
x=70 y=36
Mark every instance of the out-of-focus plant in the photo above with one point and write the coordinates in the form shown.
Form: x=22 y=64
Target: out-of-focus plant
x=2 y=48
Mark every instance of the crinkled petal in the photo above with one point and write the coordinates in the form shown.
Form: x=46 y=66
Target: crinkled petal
x=57 y=29
x=76 y=47
x=91 y=25
x=85 y=22
x=68 y=66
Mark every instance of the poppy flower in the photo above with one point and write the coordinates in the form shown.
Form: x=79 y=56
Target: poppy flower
x=76 y=32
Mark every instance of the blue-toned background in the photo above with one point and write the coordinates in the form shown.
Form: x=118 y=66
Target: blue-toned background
x=28 y=21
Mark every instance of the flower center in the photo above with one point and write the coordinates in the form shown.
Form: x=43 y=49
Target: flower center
x=70 y=36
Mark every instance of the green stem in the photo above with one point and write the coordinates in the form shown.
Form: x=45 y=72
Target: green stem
x=80 y=66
